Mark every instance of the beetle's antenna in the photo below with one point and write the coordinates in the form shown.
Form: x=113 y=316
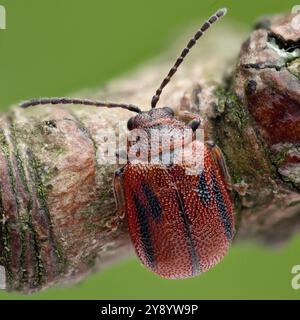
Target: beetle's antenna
x=219 y=14
x=43 y=101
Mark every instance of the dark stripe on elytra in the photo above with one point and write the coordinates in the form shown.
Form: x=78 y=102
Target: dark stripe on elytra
x=144 y=228
x=222 y=209
x=203 y=190
x=154 y=204
x=196 y=267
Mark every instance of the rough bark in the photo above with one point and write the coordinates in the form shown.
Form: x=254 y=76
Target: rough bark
x=57 y=198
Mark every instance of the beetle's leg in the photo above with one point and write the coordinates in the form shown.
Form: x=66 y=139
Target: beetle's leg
x=191 y=119
x=219 y=159
x=118 y=187
x=121 y=156
x=119 y=193
x=187 y=116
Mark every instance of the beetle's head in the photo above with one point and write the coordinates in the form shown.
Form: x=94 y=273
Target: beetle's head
x=149 y=118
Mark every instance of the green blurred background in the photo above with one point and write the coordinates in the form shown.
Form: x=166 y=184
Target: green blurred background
x=54 y=47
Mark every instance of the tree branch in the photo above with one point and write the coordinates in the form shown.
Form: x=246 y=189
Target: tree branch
x=57 y=199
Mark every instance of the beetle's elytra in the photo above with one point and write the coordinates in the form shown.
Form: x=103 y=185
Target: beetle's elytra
x=180 y=224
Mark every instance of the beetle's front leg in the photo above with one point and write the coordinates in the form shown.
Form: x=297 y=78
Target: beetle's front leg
x=119 y=193
x=118 y=186
x=191 y=119
x=219 y=160
x=187 y=116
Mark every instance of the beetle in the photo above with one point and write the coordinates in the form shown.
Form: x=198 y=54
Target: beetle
x=180 y=224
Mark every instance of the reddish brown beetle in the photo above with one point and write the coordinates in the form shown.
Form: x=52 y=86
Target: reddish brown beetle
x=180 y=224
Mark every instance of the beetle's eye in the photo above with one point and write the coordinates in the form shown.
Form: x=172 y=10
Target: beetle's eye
x=130 y=124
x=169 y=111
